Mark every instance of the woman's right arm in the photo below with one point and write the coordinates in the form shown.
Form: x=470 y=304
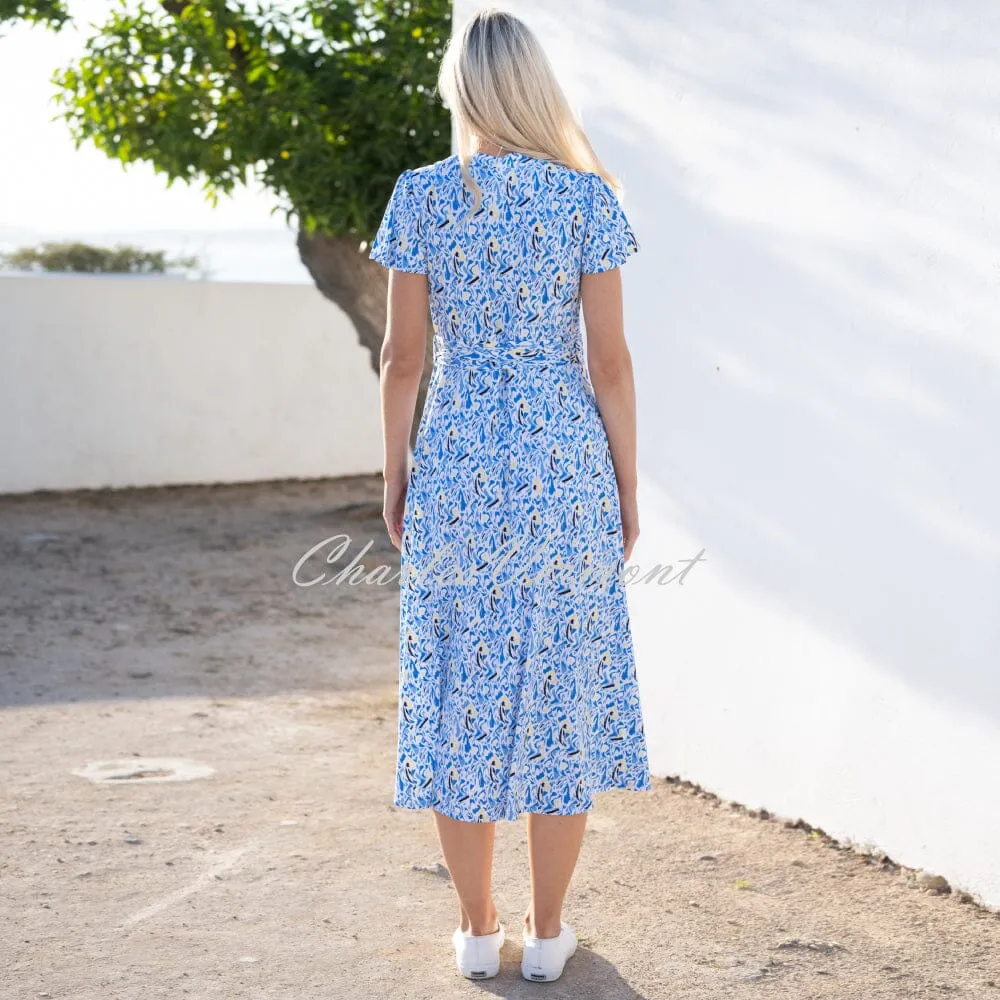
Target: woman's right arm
x=402 y=364
x=610 y=365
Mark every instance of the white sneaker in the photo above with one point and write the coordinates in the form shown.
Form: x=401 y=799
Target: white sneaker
x=478 y=956
x=544 y=958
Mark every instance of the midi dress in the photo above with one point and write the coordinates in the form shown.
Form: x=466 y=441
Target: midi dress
x=517 y=681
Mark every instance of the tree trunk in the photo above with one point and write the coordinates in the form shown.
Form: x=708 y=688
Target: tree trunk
x=358 y=285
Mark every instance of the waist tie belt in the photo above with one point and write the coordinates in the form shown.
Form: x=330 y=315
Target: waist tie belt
x=506 y=356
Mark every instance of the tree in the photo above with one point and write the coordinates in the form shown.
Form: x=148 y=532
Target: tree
x=324 y=102
x=50 y=12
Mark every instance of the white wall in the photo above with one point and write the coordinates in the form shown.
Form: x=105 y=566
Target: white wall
x=814 y=321
x=135 y=382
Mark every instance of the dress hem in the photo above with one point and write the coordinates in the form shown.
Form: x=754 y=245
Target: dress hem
x=419 y=803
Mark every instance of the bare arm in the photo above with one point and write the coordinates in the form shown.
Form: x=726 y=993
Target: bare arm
x=402 y=363
x=610 y=366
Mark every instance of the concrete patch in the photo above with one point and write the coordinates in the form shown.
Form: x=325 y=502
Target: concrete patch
x=145 y=769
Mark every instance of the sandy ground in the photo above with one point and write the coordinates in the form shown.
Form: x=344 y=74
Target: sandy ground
x=166 y=624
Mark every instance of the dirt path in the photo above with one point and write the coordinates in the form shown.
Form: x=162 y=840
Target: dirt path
x=165 y=624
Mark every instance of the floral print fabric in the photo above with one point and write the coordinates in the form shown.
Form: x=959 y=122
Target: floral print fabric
x=517 y=685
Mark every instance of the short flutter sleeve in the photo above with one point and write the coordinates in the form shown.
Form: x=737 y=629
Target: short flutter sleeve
x=398 y=243
x=609 y=240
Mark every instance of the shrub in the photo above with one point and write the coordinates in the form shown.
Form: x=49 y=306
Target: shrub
x=80 y=258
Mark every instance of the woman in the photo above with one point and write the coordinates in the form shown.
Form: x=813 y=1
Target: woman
x=518 y=689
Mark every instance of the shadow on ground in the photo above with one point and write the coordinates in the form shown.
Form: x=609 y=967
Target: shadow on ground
x=587 y=974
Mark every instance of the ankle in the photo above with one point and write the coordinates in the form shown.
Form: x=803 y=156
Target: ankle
x=550 y=927
x=487 y=922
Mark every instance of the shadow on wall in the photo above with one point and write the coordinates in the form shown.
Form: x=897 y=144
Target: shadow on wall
x=814 y=315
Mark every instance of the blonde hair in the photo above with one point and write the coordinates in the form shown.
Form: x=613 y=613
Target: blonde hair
x=499 y=85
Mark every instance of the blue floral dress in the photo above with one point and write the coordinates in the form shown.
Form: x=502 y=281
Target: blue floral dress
x=517 y=683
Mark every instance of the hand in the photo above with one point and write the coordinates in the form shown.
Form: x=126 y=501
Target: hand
x=630 y=526
x=392 y=510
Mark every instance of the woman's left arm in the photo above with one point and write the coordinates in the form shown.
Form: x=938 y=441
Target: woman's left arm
x=401 y=366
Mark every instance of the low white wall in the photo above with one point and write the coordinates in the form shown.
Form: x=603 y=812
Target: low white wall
x=813 y=319
x=112 y=382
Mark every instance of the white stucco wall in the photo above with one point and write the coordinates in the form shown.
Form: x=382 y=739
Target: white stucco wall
x=814 y=322
x=136 y=382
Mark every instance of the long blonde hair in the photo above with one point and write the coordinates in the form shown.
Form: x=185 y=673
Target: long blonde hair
x=499 y=85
